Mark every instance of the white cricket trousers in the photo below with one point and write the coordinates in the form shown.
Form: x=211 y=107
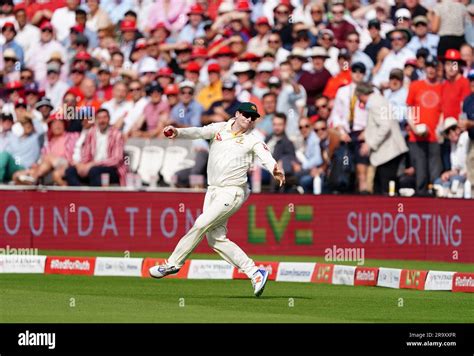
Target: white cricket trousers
x=220 y=204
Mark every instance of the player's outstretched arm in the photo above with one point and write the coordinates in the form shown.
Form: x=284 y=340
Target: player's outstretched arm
x=192 y=133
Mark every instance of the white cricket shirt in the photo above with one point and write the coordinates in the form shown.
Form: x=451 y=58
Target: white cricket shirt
x=230 y=155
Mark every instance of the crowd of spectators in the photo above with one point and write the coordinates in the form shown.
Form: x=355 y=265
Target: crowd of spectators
x=352 y=94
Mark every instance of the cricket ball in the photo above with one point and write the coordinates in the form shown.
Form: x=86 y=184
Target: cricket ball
x=169 y=133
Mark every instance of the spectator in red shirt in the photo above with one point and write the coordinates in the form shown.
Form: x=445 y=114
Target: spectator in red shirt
x=456 y=87
x=342 y=78
x=424 y=114
x=102 y=153
x=104 y=88
x=339 y=26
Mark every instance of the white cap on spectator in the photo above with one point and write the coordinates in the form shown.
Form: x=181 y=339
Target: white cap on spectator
x=187 y=84
x=148 y=65
x=241 y=67
x=266 y=66
x=449 y=122
x=225 y=7
x=403 y=13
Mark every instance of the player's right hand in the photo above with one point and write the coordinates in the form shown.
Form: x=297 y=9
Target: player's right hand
x=279 y=174
x=170 y=131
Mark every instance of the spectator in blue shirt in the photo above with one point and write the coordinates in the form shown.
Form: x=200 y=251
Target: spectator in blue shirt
x=310 y=158
x=195 y=26
x=116 y=8
x=21 y=153
x=422 y=38
x=9 y=33
x=188 y=111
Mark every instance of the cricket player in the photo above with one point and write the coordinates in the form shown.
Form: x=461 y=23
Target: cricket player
x=232 y=150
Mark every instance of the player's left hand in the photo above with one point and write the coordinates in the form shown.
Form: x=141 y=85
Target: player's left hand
x=279 y=174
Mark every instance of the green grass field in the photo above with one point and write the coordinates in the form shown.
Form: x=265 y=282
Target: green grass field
x=83 y=299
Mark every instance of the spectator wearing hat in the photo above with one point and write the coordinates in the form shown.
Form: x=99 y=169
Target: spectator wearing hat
x=9 y=34
x=264 y=73
x=195 y=26
x=221 y=110
x=383 y=139
x=422 y=38
x=342 y=78
x=212 y=92
x=55 y=88
x=326 y=40
x=456 y=87
x=188 y=111
x=169 y=12
x=459 y=146
x=20 y=153
x=299 y=61
x=146 y=66
x=469 y=32
x=275 y=46
x=396 y=94
x=104 y=86
x=44 y=107
x=118 y=107
x=379 y=47
x=349 y=117
x=352 y=44
x=171 y=91
x=129 y=34
x=448 y=19
x=11 y=68
x=402 y=18
x=64 y=18
x=155 y=114
x=258 y=44
x=102 y=153
x=55 y=154
x=423 y=118
x=97 y=17
x=396 y=58
x=291 y=100
x=282 y=23
x=303 y=13
x=338 y=25
x=40 y=52
x=192 y=73
x=245 y=83
x=317 y=21
x=165 y=77
x=301 y=36
x=314 y=82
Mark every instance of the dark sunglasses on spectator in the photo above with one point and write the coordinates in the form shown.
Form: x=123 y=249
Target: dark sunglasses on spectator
x=135 y=89
x=9 y=59
x=187 y=92
x=46 y=30
x=304 y=127
x=77 y=71
x=276 y=41
x=26 y=77
x=316 y=12
x=321 y=129
x=337 y=12
x=282 y=12
x=322 y=106
x=352 y=41
x=326 y=38
x=396 y=38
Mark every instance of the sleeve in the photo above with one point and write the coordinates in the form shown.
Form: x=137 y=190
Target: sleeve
x=411 y=95
x=86 y=154
x=206 y=132
x=336 y=118
x=263 y=153
x=379 y=114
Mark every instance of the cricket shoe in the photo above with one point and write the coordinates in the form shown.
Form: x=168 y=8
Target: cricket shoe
x=259 y=279
x=163 y=270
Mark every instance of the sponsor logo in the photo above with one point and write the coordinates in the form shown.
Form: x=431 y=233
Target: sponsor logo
x=70 y=265
x=323 y=273
x=413 y=279
x=463 y=282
